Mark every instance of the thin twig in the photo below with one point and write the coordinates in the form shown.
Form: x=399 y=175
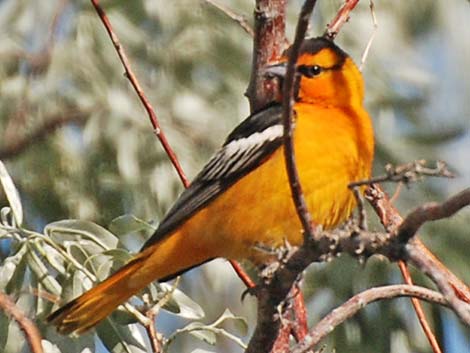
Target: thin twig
x=31 y=332
x=356 y=303
x=156 y=339
x=362 y=219
x=430 y=212
x=419 y=310
x=287 y=118
x=396 y=193
x=289 y=151
x=433 y=270
x=240 y=19
x=340 y=19
x=299 y=324
x=407 y=173
x=143 y=98
x=391 y=220
x=242 y=274
x=372 y=36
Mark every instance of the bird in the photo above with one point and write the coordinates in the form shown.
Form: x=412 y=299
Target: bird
x=240 y=202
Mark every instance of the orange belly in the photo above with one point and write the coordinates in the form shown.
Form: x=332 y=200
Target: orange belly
x=258 y=212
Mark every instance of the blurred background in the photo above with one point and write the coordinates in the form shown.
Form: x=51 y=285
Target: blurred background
x=78 y=143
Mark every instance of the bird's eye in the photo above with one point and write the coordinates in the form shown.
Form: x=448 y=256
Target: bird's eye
x=310 y=71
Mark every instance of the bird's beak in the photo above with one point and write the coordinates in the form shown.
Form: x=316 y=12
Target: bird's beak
x=276 y=70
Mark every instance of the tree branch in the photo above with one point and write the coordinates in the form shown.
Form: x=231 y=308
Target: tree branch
x=391 y=219
x=240 y=19
x=419 y=310
x=423 y=258
x=268 y=45
x=407 y=173
x=30 y=330
x=357 y=243
x=143 y=98
x=430 y=212
x=269 y=322
x=434 y=271
x=287 y=118
x=333 y=28
x=359 y=301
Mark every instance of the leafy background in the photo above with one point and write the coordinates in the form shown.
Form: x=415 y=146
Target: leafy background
x=98 y=158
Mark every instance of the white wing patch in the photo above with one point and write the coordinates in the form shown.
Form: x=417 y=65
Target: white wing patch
x=238 y=153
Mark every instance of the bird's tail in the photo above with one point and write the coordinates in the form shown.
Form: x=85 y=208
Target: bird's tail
x=93 y=306
x=162 y=260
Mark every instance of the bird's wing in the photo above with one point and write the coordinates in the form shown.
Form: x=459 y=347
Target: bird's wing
x=247 y=146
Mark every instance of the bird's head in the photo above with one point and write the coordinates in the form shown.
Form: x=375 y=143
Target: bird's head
x=326 y=75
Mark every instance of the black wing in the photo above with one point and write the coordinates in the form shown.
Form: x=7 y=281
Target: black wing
x=247 y=146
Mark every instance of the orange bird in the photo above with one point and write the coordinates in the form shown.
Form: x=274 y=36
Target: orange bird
x=241 y=201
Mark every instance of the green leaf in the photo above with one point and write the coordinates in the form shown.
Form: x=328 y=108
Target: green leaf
x=15 y=282
x=123 y=317
x=54 y=258
x=6 y=272
x=80 y=283
x=199 y=331
x=15 y=339
x=127 y=223
x=66 y=344
x=40 y=270
x=208 y=333
x=12 y=194
x=49 y=347
x=119 y=339
x=119 y=255
x=72 y=229
x=4 y=328
x=182 y=305
x=240 y=322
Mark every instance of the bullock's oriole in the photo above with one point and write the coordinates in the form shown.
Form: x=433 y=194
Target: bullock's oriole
x=241 y=200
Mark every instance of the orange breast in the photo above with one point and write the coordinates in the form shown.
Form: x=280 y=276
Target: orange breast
x=333 y=147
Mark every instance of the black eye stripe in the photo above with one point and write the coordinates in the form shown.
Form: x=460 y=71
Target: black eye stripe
x=315 y=70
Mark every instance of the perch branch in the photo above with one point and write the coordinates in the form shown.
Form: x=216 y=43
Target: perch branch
x=356 y=303
x=287 y=118
x=269 y=322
